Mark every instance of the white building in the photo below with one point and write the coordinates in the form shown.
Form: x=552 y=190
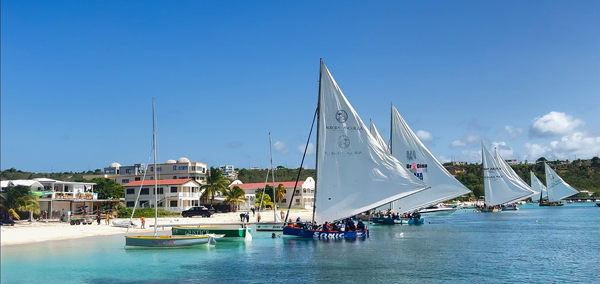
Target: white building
x=173 y=194
x=228 y=170
x=303 y=198
x=181 y=168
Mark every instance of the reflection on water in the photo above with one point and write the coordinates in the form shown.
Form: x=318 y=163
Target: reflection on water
x=532 y=245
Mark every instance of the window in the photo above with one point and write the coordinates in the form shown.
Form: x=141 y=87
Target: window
x=174 y=168
x=66 y=188
x=284 y=191
x=130 y=203
x=304 y=190
x=194 y=168
x=145 y=191
x=160 y=190
x=130 y=191
x=144 y=204
x=137 y=178
x=297 y=191
x=174 y=177
x=125 y=181
x=151 y=178
x=128 y=171
x=284 y=200
x=297 y=201
x=173 y=189
x=151 y=169
x=182 y=168
x=173 y=203
x=159 y=169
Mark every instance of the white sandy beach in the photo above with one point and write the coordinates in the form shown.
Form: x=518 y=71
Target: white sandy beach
x=30 y=232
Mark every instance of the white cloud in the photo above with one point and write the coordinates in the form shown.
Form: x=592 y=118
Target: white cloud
x=576 y=144
x=535 y=151
x=505 y=151
x=424 y=135
x=281 y=147
x=469 y=141
x=572 y=146
x=472 y=156
x=310 y=150
x=512 y=131
x=457 y=144
x=553 y=124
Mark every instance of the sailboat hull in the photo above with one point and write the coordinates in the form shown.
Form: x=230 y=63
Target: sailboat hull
x=270 y=227
x=228 y=232
x=402 y=221
x=552 y=204
x=165 y=241
x=314 y=234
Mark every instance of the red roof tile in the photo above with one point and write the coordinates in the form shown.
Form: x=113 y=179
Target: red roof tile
x=287 y=184
x=160 y=182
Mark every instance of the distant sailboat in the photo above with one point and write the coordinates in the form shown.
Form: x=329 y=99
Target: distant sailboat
x=538 y=186
x=500 y=186
x=407 y=147
x=354 y=171
x=276 y=225
x=515 y=178
x=557 y=188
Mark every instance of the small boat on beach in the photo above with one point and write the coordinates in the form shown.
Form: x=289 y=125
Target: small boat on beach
x=355 y=173
x=124 y=224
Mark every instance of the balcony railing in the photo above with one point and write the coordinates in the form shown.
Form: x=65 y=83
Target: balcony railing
x=183 y=194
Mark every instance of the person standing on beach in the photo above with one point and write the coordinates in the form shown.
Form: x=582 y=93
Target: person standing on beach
x=143 y=219
x=98 y=218
x=253 y=211
x=107 y=219
x=258 y=218
x=247 y=216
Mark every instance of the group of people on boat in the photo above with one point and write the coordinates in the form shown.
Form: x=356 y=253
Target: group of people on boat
x=347 y=225
x=392 y=215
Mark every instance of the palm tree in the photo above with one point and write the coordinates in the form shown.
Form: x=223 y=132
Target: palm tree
x=215 y=182
x=280 y=192
x=266 y=200
x=19 y=198
x=235 y=196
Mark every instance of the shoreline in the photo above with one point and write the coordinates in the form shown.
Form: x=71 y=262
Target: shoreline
x=24 y=232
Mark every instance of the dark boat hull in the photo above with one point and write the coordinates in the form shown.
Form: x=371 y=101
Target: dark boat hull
x=314 y=234
x=406 y=221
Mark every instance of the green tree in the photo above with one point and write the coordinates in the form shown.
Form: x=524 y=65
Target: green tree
x=280 y=192
x=215 y=182
x=108 y=188
x=266 y=200
x=235 y=195
x=19 y=198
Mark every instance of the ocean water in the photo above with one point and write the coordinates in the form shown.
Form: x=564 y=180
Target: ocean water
x=532 y=245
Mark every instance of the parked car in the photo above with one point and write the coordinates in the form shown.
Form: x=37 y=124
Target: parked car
x=197 y=211
x=7 y=222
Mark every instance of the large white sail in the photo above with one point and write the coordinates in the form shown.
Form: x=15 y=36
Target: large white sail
x=499 y=188
x=354 y=172
x=537 y=185
x=378 y=136
x=557 y=188
x=407 y=147
x=513 y=176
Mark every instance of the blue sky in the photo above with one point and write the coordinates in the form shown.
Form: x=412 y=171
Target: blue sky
x=78 y=78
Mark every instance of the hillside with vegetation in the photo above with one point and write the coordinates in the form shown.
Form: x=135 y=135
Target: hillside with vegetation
x=281 y=174
x=582 y=175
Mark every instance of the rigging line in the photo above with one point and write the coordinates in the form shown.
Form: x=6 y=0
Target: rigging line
x=140 y=190
x=301 y=164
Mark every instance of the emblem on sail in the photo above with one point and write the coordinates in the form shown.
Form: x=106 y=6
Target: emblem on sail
x=343 y=141
x=341 y=116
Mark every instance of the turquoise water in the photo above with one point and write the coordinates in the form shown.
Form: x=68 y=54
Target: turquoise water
x=532 y=245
